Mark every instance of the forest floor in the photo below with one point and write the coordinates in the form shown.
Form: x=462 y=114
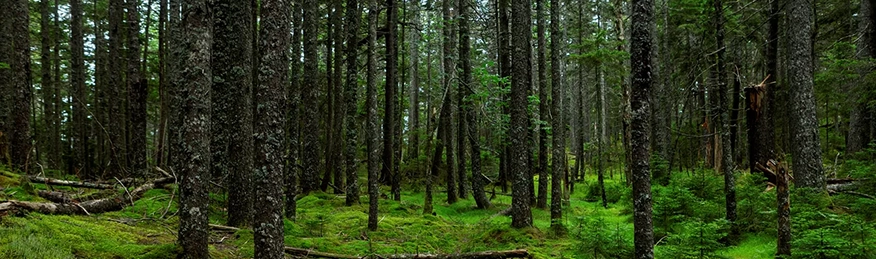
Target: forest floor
x=148 y=228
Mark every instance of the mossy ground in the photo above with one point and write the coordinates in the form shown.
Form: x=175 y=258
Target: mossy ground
x=148 y=228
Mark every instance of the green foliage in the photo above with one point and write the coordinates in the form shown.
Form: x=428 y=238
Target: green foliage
x=597 y=239
x=4 y=65
x=614 y=191
x=695 y=239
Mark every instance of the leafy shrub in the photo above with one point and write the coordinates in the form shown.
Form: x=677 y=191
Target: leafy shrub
x=614 y=191
x=596 y=239
x=695 y=239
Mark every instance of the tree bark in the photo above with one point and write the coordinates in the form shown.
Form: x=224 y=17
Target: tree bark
x=447 y=103
x=115 y=91
x=20 y=86
x=544 y=112
x=859 y=121
x=47 y=87
x=806 y=148
x=194 y=132
x=136 y=84
x=783 y=200
x=720 y=116
x=558 y=123
x=521 y=215
x=77 y=85
x=310 y=161
x=292 y=169
x=232 y=123
x=761 y=134
x=270 y=99
x=350 y=108
x=161 y=146
x=642 y=38
x=504 y=43
x=371 y=129
x=6 y=83
x=471 y=131
x=391 y=101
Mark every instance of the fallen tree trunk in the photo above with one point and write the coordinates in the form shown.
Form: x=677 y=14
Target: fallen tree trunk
x=55 y=196
x=306 y=253
x=59 y=182
x=114 y=203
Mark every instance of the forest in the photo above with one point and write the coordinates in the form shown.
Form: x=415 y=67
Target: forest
x=470 y=129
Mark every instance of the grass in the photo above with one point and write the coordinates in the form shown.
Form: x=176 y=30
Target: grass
x=324 y=224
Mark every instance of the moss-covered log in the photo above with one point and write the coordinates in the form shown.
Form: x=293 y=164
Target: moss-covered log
x=519 y=253
x=114 y=203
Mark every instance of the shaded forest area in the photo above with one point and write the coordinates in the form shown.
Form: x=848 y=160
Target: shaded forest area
x=437 y=129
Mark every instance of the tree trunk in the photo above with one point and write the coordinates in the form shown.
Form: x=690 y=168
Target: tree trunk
x=543 y=112
x=161 y=146
x=391 y=98
x=414 y=91
x=504 y=43
x=642 y=38
x=859 y=124
x=338 y=113
x=136 y=84
x=20 y=87
x=558 y=123
x=521 y=214
x=371 y=129
x=270 y=98
x=329 y=116
x=806 y=148
x=350 y=108
x=194 y=109
x=478 y=180
x=115 y=93
x=447 y=103
x=82 y=159
x=232 y=122
x=720 y=115
x=6 y=83
x=783 y=200
x=292 y=169
x=761 y=134
x=47 y=87
x=310 y=161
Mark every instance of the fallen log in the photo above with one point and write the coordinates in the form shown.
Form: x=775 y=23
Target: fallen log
x=59 y=182
x=114 y=203
x=307 y=253
x=55 y=196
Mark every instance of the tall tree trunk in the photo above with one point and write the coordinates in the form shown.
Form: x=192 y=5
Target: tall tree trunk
x=761 y=137
x=720 y=115
x=136 y=84
x=603 y=136
x=557 y=119
x=783 y=200
x=662 y=113
x=310 y=161
x=292 y=169
x=521 y=215
x=115 y=93
x=371 y=129
x=270 y=98
x=6 y=83
x=232 y=122
x=329 y=116
x=338 y=113
x=642 y=38
x=544 y=113
x=859 y=124
x=161 y=146
x=583 y=108
x=55 y=137
x=391 y=101
x=806 y=148
x=414 y=91
x=47 y=87
x=194 y=93
x=77 y=85
x=18 y=20
x=504 y=43
x=350 y=108
x=471 y=132
x=449 y=68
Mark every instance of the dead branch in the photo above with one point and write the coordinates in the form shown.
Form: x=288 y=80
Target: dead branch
x=114 y=203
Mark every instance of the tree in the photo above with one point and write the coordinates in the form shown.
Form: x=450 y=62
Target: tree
x=859 y=124
x=414 y=91
x=136 y=84
x=642 y=37
x=720 y=115
x=18 y=57
x=292 y=123
x=761 y=134
x=47 y=89
x=806 y=147
x=447 y=103
x=115 y=116
x=521 y=215
x=77 y=85
x=390 y=99
x=270 y=98
x=350 y=100
x=6 y=84
x=371 y=130
x=310 y=160
x=193 y=92
x=478 y=180
x=504 y=60
x=232 y=122
x=557 y=119
x=544 y=113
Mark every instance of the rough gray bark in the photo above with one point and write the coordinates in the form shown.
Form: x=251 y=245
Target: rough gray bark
x=20 y=86
x=414 y=92
x=583 y=113
x=232 y=122
x=6 y=83
x=504 y=42
x=521 y=215
x=193 y=93
x=391 y=101
x=136 y=88
x=720 y=119
x=662 y=100
x=270 y=99
x=45 y=135
x=783 y=200
x=543 y=112
x=161 y=146
x=445 y=124
x=642 y=38
x=115 y=124
x=338 y=103
x=310 y=157
x=471 y=131
x=859 y=124
x=603 y=136
x=806 y=148
x=293 y=132
x=371 y=129
x=557 y=119
x=81 y=164
x=328 y=117
x=350 y=108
